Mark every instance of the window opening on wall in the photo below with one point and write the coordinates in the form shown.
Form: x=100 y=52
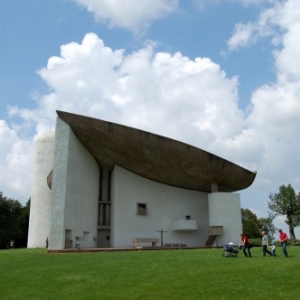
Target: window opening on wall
x=104 y=203
x=141 y=208
x=187 y=217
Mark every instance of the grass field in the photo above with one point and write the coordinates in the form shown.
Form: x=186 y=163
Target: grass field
x=168 y=274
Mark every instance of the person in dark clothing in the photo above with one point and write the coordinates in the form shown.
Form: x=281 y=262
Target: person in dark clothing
x=245 y=245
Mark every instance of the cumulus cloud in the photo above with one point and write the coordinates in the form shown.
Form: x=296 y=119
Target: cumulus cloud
x=191 y=100
x=15 y=163
x=266 y=25
x=275 y=108
x=132 y=15
x=164 y=93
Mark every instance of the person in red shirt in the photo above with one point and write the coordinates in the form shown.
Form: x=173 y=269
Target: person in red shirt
x=283 y=240
x=246 y=245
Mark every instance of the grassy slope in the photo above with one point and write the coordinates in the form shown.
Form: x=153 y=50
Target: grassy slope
x=168 y=274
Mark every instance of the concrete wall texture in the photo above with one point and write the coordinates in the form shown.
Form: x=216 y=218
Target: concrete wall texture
x=69 y=213
x=75 y=192
x=165 y=205
x=41 y=195
x=225 y=210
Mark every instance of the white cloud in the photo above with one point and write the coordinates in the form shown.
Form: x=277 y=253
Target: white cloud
x=191 y=100
x=243 y=36
x=274 y=116
x=15 y=164
x=265 y=26
x=144 y=89
x=165 y=93
x=133 y=15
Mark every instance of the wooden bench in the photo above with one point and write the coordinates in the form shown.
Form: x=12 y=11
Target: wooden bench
x=136 y=241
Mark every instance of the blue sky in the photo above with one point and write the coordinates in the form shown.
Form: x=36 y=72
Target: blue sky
x=32 y=31
x=220 y=75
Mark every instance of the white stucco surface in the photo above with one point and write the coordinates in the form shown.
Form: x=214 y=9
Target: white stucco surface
x=75 y=192
x=165 y=205
x=41 y=195
x=69 y=213
x=225 y=210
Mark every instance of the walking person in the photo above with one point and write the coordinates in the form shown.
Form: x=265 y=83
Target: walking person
x=265 y=244
x=47 y=242
x=245 y=245
x=283 y=240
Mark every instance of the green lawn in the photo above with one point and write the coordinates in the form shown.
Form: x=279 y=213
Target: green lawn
x=168 y=274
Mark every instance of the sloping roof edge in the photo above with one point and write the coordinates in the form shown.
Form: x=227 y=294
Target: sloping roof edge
x=155 y=157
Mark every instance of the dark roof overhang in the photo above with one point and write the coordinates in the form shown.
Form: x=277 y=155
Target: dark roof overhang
x=156 y=157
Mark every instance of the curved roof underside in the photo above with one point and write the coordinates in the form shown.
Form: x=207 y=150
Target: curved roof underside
x=156 y=157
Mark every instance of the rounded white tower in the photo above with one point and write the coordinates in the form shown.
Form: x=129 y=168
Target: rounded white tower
x=41 y=194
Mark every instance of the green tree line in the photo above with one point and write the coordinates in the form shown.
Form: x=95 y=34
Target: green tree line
x=286 y=202
x=14 y=221
x=253 y=226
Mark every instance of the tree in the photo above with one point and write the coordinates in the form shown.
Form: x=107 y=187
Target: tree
x=250 y=223
x=14 y=221
x=266 y=224
x=286 y=203
x=23 y=223
x=10 y=210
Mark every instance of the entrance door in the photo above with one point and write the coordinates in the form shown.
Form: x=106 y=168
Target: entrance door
x=103 y=238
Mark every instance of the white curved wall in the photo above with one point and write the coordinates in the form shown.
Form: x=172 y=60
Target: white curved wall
x=166 y=205
x=41 y=195
x=75 y=192
x=70 y=211
x=225 y=210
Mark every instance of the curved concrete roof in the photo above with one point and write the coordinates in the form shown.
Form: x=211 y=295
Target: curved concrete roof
x=156 y=157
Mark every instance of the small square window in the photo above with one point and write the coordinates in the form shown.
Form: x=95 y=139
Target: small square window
x=141 y=208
